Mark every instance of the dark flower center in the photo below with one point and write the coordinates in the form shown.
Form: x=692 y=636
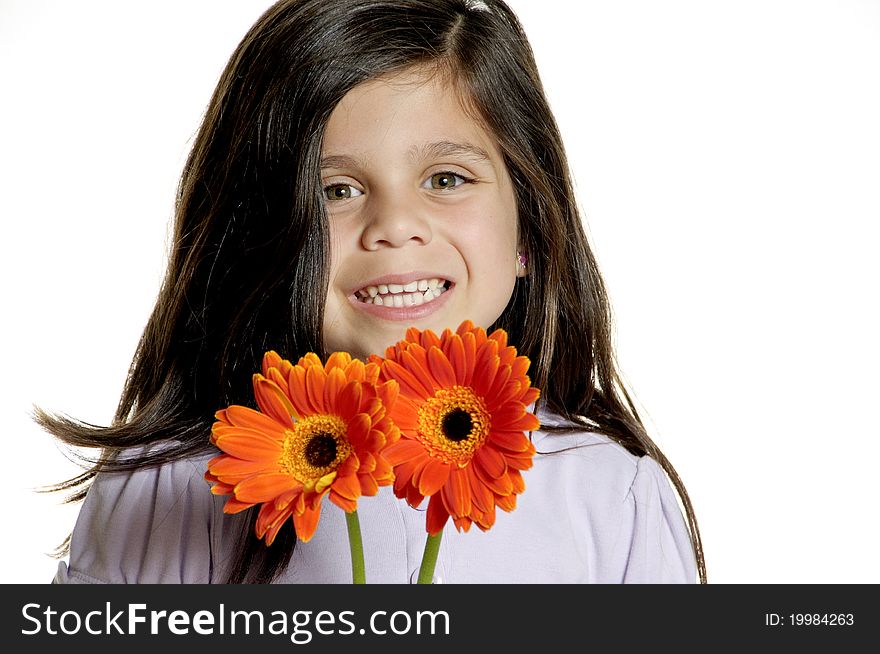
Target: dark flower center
x=321 y=450
x=457 y=425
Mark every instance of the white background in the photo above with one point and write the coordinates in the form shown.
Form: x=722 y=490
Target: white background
x=727 y=159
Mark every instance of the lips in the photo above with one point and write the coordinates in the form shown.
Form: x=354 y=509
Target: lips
x=412 y=293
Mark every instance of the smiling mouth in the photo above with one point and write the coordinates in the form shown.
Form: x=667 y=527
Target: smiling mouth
x=412 y=294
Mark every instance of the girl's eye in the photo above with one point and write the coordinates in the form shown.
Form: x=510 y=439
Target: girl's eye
x=340 y=192
x=446 y=180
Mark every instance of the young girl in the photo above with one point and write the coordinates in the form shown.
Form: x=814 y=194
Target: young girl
x=359 y=146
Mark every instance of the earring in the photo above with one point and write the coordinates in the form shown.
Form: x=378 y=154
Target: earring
x=521 y=261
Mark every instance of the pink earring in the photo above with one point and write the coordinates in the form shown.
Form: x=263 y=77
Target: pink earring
x=522 y=259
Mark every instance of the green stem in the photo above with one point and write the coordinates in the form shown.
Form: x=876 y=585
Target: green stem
x=429 y=558
x=358 y=576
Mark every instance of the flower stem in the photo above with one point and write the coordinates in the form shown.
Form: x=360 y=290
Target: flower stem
x=429 y=558
x=358 y=575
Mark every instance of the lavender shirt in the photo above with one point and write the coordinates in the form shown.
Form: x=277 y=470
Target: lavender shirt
x=595 y=514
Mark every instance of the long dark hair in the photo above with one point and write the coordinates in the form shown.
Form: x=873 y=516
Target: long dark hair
x=248 y=267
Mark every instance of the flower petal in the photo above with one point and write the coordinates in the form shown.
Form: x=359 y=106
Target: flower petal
x=306 y=523
x=250 y=446
x=403 y=474
x=270 y=521
x=242 y=416
x=436 y=516
x=413 y=497
x=519 y=485
x=271 y=360
x=335 y=383
x=344 y=503
x=501 y=378
x=427 y=339
x=466 y=326
x=409 y=383
x=347 y=487
x=405 y=414
x=226 y=467
x=530 y=395
x=462 y=523
x=509 y=413
x=485 y=368
x=220 y=429
x=498 y=485
x=440 y=367
x=456 y=493
x=458 y=360
x=369 y=486
x=368 y=463
x=403 y=450
x=315 y=381
x=432 y=476
x=526 y=422
x=348 y=401
x=263 y=488
x=388 y=392
x=233 y=506
x=515 y=441
x=492 y=461
x=500 y=337
x=337 y=360
x=415 y=361
x=273 y=401
x=519 y=460
x=481 y=497
x=506 y=503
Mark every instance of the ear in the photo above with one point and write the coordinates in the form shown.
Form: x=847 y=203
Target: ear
x=522 y=260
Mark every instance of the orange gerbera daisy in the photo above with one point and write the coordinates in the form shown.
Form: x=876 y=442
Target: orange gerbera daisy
x=320 y=430
x=462 y=414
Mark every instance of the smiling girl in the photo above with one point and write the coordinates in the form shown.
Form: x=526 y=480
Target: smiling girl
x=366 y=166
x=422 y=213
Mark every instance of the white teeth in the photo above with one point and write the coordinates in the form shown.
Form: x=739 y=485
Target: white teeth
x=403 y=295
x=405 y=299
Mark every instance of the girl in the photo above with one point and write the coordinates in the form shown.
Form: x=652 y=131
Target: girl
x=376 y=144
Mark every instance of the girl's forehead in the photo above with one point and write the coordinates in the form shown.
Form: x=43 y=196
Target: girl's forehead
x=414 y=108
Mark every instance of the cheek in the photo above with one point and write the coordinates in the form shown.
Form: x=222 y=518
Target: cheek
x=487 y=237
x=335 y=239
x=342 y=243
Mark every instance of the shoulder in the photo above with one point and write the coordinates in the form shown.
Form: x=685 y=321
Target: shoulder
x=154 y=524
x=163 y=486
x=626 y=503
x=594 y=464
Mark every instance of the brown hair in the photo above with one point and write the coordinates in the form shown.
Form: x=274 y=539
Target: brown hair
x=250 y=234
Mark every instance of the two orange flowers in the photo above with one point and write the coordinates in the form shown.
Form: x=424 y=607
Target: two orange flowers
x=439 y=416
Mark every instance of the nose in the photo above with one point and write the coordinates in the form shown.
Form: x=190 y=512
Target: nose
x=395 y=220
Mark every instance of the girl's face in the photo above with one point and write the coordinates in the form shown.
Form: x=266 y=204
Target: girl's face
x=422 y=214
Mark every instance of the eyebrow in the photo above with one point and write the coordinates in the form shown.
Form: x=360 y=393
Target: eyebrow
x=433 y=150
x=450 y=149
